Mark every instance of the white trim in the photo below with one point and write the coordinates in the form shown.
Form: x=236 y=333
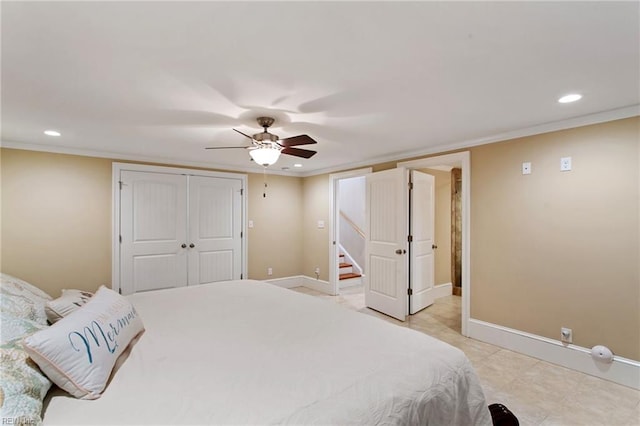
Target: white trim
x=442 y=290
x=288 y=282
x=302 y=281
x=333 y=221
x=117 y=168
x=622 y=371
x=144 y=158
x=570 y=123
x=462 y=159
x=318 y=285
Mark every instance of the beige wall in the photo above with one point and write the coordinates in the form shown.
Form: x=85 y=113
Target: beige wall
x=275 y=241
x=551 y=249
x=56 y=221
x=555 y=249
x=442 y=238
x=316 y=241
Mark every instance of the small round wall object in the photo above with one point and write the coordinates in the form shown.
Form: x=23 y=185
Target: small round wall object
x=602 y=354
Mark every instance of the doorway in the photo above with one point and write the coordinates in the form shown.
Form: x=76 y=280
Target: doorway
x=344 y=228
x=459 y=161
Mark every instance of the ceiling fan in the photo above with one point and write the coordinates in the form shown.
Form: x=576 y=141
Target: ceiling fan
x=265 y=148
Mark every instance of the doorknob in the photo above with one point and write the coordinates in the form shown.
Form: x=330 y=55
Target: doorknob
x=400 y=251
x=434 y=246
x=192 y=245
x=183 y=245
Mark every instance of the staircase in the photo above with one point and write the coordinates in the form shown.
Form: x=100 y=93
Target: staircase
x=346 y=270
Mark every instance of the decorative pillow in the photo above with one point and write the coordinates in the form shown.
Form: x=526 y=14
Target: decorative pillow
x=70 y=301
x=79 y=352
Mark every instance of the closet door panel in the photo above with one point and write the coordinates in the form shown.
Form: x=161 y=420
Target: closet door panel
x=153 y=227
x=215 y=217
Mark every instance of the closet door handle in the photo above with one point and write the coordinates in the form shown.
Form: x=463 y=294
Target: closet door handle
x=183 y=245
x=192 y=245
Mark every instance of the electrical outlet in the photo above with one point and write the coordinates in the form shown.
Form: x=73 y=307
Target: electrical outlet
x=565 y=164
x=566 y=335
x=317 y=270
x=269 y=271
x=526 y=168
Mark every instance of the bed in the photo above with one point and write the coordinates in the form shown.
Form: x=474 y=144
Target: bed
x=248 y=352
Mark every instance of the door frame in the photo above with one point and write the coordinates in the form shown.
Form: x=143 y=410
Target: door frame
x=334 y=220
x=117 y=168
x=462 y=160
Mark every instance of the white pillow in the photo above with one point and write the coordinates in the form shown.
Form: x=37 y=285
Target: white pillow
x=70 y=301
x=78 y=352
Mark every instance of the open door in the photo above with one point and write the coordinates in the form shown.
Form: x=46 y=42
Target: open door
x=422 y=220
x=385 y=288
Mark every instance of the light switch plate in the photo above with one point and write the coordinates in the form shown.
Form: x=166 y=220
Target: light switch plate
x=321 y=224
x=565 y=164
x=250 y=224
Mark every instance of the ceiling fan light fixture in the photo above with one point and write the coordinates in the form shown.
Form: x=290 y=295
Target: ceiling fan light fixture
x=265 y=155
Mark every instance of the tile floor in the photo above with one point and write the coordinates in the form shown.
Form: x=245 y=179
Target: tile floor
x=539 y=393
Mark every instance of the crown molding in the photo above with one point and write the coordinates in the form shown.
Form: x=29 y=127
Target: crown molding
x=584 y=120
x=141 y=158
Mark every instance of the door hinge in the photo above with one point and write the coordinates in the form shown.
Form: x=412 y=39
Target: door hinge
x=410 y=291
x=241 y=234
x=240 y=276
x=241 y=191
x=410 y=238
x=120 y=237
x=120 y=291
x=120 y=183
x=410 y=185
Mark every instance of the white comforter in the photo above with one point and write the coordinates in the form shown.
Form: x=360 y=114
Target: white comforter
x=251 y=353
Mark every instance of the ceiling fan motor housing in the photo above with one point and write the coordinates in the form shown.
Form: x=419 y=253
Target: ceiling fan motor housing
x=265 y=137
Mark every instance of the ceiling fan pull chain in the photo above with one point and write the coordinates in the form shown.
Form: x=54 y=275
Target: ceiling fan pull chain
x=264 y=191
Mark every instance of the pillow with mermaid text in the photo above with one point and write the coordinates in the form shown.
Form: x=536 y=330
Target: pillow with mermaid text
x=79 y=351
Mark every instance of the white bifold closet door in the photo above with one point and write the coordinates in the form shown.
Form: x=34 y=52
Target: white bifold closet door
x=178 y=230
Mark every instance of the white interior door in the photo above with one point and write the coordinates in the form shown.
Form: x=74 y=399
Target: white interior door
x=386 y=243
x=153 y=228
x=215 y=229
x=422 y=225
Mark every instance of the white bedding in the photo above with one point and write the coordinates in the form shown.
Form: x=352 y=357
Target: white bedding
x=247 y=352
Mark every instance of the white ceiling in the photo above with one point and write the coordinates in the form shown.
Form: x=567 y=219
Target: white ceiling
x=369 y=81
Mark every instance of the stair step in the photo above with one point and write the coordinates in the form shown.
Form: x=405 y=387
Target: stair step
x=345 y=265
x=349 y=275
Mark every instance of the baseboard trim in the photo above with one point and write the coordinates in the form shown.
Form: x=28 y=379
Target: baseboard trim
x=442 y=290
x=317 y=284
x=622 y=370
x=302 y=281
x=287 y=282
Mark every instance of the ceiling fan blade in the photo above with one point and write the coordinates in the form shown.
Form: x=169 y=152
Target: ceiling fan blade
x=296 y=140
x=296 y=152
x=229 y=147
x=243 y=134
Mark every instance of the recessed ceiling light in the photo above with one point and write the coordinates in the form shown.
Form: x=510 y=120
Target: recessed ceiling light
x=52 y=133
x=297 y=165
x=570 y=98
